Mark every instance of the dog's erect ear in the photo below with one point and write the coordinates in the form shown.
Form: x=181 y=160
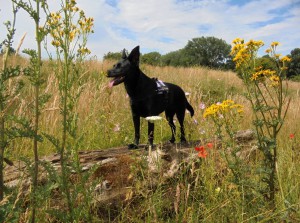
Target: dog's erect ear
x=134 y=55
x=124 y=54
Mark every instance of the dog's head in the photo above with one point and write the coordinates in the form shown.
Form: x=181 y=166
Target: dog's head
x=124 y=67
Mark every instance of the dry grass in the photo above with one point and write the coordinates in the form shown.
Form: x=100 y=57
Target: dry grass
x=105 y=122
x=104 y=113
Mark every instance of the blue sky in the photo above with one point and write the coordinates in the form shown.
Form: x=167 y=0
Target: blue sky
x=167 y=25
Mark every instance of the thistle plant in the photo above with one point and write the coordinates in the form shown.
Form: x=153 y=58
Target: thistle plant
x=269 y=102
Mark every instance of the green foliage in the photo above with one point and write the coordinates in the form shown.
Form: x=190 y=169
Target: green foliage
x=70 y=51
x=11 y=207
x=208 y=51
x=34 y=74
x=112 y=56
x=266 y=62
x=204 y=51
x=11 y=51
x=7 y=93
x=176 y=58
x=294 y=64
x=224 y=187
x=269 y=102
x=153 y=58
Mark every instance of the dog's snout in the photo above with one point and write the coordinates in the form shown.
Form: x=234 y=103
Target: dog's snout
x=108 y=73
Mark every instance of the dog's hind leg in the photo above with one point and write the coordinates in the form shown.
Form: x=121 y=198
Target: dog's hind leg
x=180 y=116
x=170 y=117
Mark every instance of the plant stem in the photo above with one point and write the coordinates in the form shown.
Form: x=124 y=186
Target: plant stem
x=65 y=80
x=2 y=147
x=36 y=110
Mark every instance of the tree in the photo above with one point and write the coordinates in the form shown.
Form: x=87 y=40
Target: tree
x=266 y=62
x=112 y=56
x=294 y=65
x=176 y=58
x=170 y=59
x=153 y=58
x=208 y=51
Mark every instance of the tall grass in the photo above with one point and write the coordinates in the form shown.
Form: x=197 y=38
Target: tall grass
x=104 y=113
x=208 y=195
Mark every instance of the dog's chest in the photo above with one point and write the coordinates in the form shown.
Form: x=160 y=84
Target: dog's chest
x=151 y=104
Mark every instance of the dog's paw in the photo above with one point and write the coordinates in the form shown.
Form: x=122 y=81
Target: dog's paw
x=151 y=147
x=172 y=141
x=184 y=143
x=132 y=146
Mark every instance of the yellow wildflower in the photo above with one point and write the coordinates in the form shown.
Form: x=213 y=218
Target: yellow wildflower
x=285 y=58
x=220 y=109
x=84 y=51
x=268 y=50
x=72 y=35
x=238 y=41
x=252 y=44
x=243 y=53
x=261 y=74
x=274 y=44
x=277 y=55
x=55 y=43
x=75 y=9
x=274 y=80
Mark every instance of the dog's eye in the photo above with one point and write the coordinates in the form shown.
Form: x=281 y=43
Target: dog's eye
x=117 y=65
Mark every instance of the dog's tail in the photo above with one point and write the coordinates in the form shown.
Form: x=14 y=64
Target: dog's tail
x=190 y=108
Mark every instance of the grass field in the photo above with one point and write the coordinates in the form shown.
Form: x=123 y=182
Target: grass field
x=105 y=122
x=105 y=113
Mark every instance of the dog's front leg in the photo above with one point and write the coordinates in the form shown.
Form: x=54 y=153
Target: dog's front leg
x=150 y=133
x=136 y=123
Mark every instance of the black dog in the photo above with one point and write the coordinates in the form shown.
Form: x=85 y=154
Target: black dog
x=149 y=97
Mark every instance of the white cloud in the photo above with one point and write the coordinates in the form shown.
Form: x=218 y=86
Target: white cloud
x=167 y=25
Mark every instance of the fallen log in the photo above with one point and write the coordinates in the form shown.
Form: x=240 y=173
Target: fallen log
x=112 y=167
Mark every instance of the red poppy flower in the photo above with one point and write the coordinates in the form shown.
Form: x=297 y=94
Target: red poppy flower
x=210 y=145
x=202 y=153
x=199 y=148
x=292 y=136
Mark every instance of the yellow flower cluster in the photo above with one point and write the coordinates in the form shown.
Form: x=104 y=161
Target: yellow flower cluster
x=275 y=80
x=55 y=43
x=86 y=24
x=263 y=75
x=84 y=51
x=275 y=44
x=54 y=19
x=61 y=31
x=220 y=109
x=243 y=52
x=285 y=59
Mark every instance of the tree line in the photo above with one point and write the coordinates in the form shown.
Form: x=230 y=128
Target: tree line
x=209 y=52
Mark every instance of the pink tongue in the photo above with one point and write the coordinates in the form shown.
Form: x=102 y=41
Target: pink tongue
x=111 y=84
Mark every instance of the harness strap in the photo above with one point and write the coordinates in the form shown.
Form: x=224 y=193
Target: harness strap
x=162 y=89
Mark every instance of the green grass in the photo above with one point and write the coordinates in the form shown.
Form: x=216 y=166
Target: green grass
x=204 y=191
